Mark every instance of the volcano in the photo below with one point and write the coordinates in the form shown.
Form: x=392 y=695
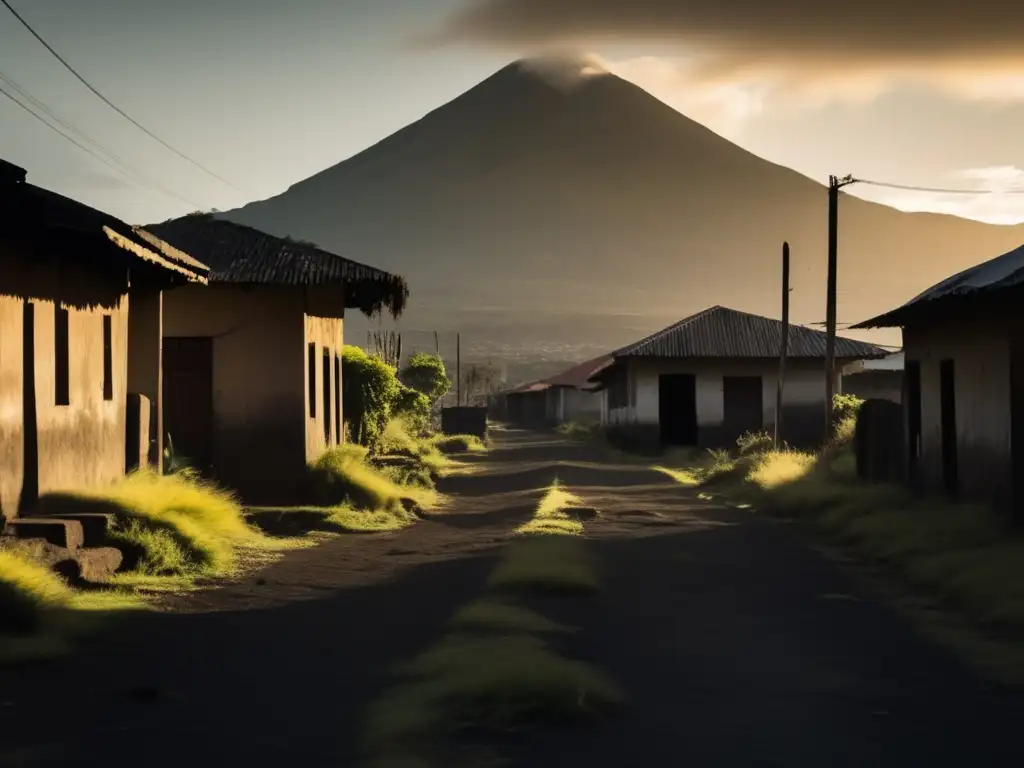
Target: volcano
x=558 y=209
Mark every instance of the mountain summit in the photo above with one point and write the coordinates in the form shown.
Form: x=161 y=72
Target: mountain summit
x=554 y=194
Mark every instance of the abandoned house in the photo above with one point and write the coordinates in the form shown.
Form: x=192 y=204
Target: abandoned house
x=569 y=396
x=252 y=364
x=963 y=341
x=711 y=377
x=80 y=314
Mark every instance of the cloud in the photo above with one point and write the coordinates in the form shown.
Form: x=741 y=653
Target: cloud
x=1001 y=203
x=806 y=47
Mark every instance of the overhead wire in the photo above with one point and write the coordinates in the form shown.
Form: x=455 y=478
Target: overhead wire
x=111 y=104
x=67 y=133
x=938 y=190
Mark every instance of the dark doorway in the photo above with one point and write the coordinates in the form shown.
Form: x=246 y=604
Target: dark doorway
x=912 y=397
x=743 y=405
x=947 y=399
x=677 y=408
x=188 y=398
x=1017 y=427
x=30 y=434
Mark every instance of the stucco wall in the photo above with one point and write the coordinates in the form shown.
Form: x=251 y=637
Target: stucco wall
x=81 y=443
x=258 y=382
x=981 y=373
x=803 y=393
x=325 y=333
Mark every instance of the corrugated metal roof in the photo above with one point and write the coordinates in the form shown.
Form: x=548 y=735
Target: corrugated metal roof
x=1006 y=271
x=720 y=332
x=240 y=254
x=578 y=376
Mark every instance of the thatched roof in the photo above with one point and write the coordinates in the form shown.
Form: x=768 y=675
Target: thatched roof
x=238 y=254
x=31 y=213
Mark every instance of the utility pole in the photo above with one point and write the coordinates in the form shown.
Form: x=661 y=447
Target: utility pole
x=458 y=369
x=784 y=346
x=834 y=185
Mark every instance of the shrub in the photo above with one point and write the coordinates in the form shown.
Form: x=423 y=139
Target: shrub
x=426 y=374
x=845 y=407
x=750 y=443
x=369 y=388
x=413 y=408
x=342 y=476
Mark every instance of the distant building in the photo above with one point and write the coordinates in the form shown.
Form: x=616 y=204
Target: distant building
x=569 y=396
x=80 y=315
x=875 y=379
x=711 y=377
x=252 y=383
x=964 y=383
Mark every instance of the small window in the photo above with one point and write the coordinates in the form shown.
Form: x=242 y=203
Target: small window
x=327 y=396
x=337 y=400
x=61 y=357
x=311 y=380
x=108 y=358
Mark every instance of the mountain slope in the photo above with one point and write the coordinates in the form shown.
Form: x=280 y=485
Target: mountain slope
x=527 y=209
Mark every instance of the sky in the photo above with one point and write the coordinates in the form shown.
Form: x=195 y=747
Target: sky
x=264 y=94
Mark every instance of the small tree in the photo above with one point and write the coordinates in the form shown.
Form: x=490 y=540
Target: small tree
x=369 y=388
x=426 y=373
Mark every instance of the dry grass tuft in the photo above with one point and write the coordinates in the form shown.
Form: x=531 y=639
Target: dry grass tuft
x=493 y=616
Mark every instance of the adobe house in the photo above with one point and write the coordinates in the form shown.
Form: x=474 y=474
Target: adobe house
x=709 y=378
x=80 y=315
x=963 y=342
x=252 y=386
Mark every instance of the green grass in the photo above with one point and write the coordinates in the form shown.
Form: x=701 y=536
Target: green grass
x=489 y=684
x=961 y=552
x=458 y=444
x=548 y=555
x=299 y=521
x=343 y=476
x=170 y=524
x=40 y=614
x=552 y=516
x=488 y=615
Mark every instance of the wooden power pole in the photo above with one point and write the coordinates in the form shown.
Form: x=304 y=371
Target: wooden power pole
x=784 y=345
x=834 y=185
x=458 y=369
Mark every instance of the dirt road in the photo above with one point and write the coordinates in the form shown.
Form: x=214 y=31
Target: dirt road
x=736 y=644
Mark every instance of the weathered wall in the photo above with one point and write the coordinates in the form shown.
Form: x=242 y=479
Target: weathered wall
x=58 y=446
x=803 y=396
x=326 y=334
x=258 y=382
x=574 y=405
x=11 y=413
x=981 y=371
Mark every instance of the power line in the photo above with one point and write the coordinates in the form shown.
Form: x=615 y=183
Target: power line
x=140 y=177
x=939 y=190
x=87 y=149
x=111 y=104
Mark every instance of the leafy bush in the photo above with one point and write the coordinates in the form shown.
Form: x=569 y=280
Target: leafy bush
x=426 y=374
x=413 y=408
x=845 y=407
x=369 y=389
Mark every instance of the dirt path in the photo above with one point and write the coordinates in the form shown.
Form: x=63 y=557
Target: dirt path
x=736 y=644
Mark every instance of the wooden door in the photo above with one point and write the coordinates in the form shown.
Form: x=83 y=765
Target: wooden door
x=677 y=409
x=188 y=398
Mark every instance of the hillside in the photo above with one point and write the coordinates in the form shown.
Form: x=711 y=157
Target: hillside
x=529 y=213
